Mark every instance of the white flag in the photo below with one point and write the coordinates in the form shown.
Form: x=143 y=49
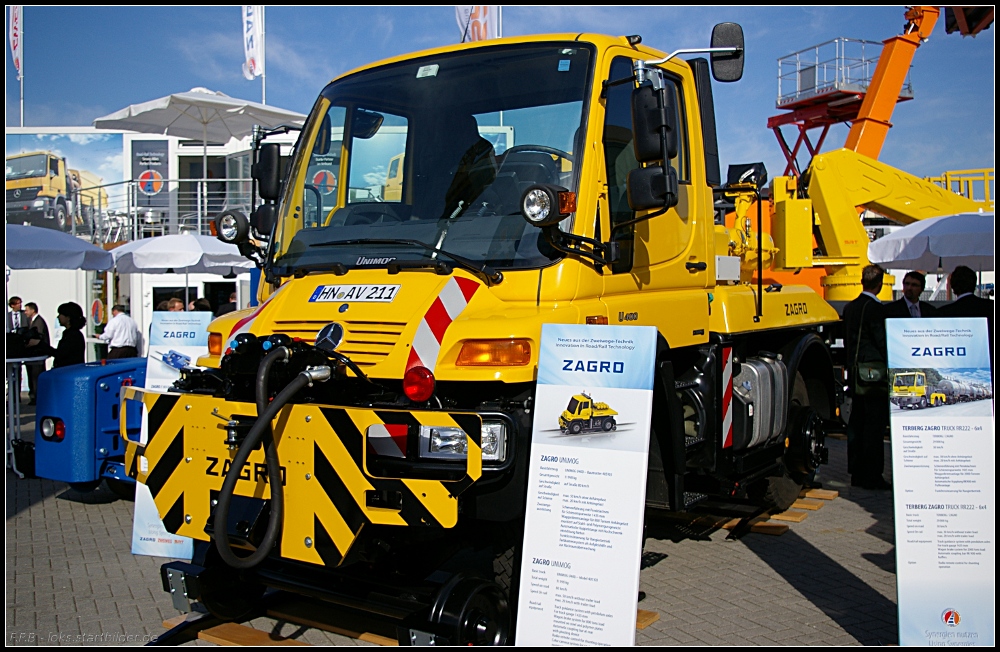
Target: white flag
x=478 y=22
x=253 y=40
x=14 y=36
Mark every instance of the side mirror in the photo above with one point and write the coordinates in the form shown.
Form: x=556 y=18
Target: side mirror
x=267 y=171
x=366 y=123
x=653 y=128
x=652 y=187
x=727 y=66
x=264 y=218
x=232 y=227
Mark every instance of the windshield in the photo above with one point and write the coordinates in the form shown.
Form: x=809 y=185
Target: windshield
x=23 y=167
x=436 y=151
x=573 y=404
x=904 y=380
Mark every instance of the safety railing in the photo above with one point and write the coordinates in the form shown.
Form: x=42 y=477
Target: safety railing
x=978 y=185
x=140 y=208
x=843 y=64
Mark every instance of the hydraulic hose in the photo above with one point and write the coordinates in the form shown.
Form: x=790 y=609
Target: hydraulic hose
x=261 y=429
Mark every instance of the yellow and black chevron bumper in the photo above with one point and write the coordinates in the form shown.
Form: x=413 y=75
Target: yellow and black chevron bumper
x=324 y=466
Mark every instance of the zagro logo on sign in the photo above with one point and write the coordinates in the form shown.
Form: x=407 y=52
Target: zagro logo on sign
x=937 y=351
x=180 y=335
x=594 y=366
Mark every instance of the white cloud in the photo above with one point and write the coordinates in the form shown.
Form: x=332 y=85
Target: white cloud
x=86 y=139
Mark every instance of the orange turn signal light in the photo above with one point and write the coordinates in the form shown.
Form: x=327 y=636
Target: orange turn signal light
x=215 y=344
x=599 y=320
x=494 y=353
x=567 y=203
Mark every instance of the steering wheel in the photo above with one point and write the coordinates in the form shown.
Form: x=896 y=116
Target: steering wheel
x=545 y=149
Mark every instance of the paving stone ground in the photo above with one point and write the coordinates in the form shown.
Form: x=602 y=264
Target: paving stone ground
x=830 y=580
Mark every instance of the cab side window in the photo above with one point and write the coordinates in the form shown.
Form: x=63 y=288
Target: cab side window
x=619 y=155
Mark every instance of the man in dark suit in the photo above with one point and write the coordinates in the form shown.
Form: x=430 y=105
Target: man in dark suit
x=38 y=333
x=864 y=323
x=911 y=305
x=15 y=316
x=966 y=304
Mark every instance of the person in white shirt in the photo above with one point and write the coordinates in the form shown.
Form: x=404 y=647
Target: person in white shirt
x=121 y=334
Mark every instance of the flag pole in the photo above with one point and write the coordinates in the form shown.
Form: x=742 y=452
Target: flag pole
x=21 y=71
x=263 y=57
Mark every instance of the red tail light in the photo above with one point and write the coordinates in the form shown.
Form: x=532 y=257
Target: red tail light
x=52 y=429
x=418 y=384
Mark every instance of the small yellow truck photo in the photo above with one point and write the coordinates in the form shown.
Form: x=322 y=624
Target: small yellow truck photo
x=586 y=415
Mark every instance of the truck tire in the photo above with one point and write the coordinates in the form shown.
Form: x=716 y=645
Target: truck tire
x=575 y=428
x=61 y=220
x=608 y=425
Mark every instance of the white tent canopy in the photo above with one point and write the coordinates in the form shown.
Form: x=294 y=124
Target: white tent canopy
x=199 y=114
x=940 y=243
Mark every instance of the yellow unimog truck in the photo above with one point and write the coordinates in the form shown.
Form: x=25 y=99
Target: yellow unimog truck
x=362 y=436
x=583 y=414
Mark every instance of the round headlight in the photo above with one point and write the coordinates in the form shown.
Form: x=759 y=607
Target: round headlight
x=48 y=428
x=537 y=205
x=232 y=227
x=227 y=228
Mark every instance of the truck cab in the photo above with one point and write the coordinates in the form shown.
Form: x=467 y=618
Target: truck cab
x=39 y=190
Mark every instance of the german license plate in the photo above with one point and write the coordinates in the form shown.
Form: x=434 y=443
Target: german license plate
x=358 y=293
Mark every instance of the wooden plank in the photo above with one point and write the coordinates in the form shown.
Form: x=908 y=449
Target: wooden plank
x=170 y=623
x=820 y=494
x=234 y=634
x=805 y=503
x=644 y=619
x=733 y=522
x=766 y=527
x=790 y=516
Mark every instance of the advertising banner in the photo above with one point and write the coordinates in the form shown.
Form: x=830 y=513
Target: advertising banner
x=943 y=473
x=586 y=486
x=478 y=22
x=176 y=340
x=253 y=41
x=149 y=537
x=150 y=161
x=14 y=36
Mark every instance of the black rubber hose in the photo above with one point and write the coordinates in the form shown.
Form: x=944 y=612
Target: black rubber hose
x=258 y=431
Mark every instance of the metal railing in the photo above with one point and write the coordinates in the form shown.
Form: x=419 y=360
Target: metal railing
x=977 y=185
x=134 y=209
x=843 y=64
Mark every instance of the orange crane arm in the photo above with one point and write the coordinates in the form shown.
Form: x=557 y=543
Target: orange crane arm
x=869 y=129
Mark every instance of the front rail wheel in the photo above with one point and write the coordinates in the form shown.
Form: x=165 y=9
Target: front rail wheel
x=472 y=611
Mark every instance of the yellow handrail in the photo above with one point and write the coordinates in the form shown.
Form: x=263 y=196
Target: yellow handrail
x=975 y=184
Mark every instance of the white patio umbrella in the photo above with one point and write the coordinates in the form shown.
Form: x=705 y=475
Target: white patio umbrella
x=938 y=243
x=199 y=114
x=192 y=254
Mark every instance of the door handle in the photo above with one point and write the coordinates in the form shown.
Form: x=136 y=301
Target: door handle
x=696 y=267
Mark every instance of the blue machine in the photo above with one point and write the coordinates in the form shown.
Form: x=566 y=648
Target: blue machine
x=77 y=421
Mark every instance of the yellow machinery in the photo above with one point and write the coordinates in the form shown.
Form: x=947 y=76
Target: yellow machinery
x=362 y=436
x=910 y=390
x=583 y=414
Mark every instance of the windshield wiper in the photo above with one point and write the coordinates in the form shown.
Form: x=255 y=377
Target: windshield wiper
x=484 y=271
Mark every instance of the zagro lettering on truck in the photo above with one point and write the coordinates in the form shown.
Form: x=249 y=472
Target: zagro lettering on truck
x=259 y=470
x=937 y=351
x=594 y=366
x=178 y=335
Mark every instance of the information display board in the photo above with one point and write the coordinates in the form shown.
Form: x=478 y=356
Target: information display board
x=587 y=486
x=176 y=340
x=943 y=472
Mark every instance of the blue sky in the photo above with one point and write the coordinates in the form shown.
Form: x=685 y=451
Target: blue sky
x=86 y=62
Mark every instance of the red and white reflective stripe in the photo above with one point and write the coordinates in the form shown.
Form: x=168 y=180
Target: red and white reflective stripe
x=727 y=397
x=243 y=325
x=388 y=440
x=446 y=308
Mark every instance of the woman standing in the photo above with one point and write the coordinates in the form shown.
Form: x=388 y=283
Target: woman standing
x=72 y=345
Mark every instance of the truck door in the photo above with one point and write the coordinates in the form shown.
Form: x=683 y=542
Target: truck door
x=661 y=258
